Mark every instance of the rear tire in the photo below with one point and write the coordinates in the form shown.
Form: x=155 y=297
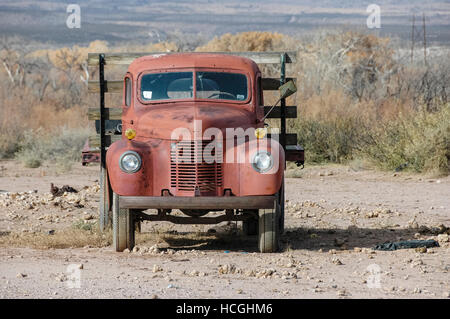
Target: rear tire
x=123 y=226
x=105 y=201
x=269 y=228
x=281 y=201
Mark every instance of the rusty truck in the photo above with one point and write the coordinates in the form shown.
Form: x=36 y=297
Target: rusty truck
x=194 y=138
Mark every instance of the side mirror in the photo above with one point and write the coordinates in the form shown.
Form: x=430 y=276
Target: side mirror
x=287 y=89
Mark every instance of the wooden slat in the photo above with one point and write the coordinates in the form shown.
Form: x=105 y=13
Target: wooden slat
x=291 y=138
x=258 y=57
x=291 y=112
x=116 y=113
x=116 y=86
x=113 y=86
x=94 y=140
x=111 y=126
x=271 y=84
x=111 y=113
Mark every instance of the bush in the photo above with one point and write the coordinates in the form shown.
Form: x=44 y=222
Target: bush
x=8 y=146
x=419 y=141
x=330 y=140
x=62 y=146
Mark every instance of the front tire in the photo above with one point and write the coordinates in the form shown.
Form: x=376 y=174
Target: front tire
x=123 y=226
x=269 y=228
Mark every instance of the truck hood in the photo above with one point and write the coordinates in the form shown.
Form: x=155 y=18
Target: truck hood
x=160 y=121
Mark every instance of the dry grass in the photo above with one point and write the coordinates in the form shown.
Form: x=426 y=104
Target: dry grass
x=418 y=141
x=62 y=146
x=65 y=238
x=87 y=234
x=21 y=113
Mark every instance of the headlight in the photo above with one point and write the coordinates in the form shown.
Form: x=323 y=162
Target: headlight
x=130 y=162
x=262 y=161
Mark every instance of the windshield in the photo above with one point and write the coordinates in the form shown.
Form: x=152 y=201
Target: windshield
x=166 y=86
x=179 y=85
x=223 y=86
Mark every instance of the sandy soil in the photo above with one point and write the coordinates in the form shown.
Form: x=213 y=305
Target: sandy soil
x=334 y=216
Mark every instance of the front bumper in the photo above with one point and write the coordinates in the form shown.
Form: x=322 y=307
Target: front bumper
x=201 y=202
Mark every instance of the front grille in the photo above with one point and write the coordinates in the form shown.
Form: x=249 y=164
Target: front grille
x=192 y=168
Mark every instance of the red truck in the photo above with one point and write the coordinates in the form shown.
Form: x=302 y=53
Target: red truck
x=194 y=138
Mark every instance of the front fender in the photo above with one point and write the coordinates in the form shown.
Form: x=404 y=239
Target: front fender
x=252 y=182
x=126 y=184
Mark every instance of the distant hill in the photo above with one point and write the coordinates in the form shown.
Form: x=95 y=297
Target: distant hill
x=142 y=20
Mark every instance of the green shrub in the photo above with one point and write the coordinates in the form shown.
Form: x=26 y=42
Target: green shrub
x=419 y=141
x=61 y=147
x=330 y=140
x=8 y=146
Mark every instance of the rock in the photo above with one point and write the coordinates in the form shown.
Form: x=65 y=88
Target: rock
x=195 y=273
x=421 y=250
x=250 y=273
x=372 y=214
x=80 y=266
x=414 y=225
x=239 y=291
x=443 y=238
x=154 y=297
x=446 y=294
x=127 y=251
x=21 y=275
x=336 y=261
x=341 y=293
x=157 y=268
x=135 y=249
x=228 y=269
x=155 y=250
x=88 y=217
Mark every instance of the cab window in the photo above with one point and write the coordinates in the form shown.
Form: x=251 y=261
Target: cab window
x=222 y=86
x=127 y=91
x=167 y=86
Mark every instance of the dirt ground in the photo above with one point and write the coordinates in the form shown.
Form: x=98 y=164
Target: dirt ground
x=335 y=215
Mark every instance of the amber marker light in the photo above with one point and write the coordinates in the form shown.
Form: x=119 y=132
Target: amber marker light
x=130 y=133
x=260 y=133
